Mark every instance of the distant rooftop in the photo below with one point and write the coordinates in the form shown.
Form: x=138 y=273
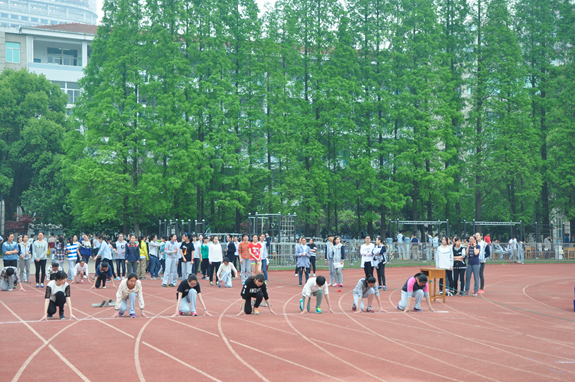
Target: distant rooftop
x=71 y=27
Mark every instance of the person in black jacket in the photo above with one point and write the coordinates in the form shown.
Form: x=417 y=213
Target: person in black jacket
x=231 y=253
x=256 y=288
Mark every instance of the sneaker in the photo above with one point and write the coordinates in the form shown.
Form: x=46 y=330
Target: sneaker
x=10 y=290
x=295 y=275
x=172 y=285
x=301 y=304
x=85 y=276
x=353 y=307
x=37 y=285
x=81 y=281
x=180 y=312
x=41 y=285
x=50 y=316
x=164 y=286
x=120 y=314
x=104 y=287
x=318 y=309
x=416 y=310
x=265 y=304
x=117 y=279
x=380 y=287
x=384 y=287
x=132 y=315
x=314 y=275
x=440 y=292
x=369 y=309
x=62 y=317
x=243 y=282
x=299 y=284
x=195 y=314
x=256 y=311
x=474 y=294
x=448 y=293
x=219 y=284
x=398 y=308
x=480 y=291
x=211 y=283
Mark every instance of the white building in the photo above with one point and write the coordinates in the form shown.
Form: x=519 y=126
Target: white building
x=17 y=13
x=59 y=52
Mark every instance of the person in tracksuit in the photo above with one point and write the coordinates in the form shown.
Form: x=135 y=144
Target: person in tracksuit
x=170 y=271
x=132 y=255
x=338 y=257
x=329 y=259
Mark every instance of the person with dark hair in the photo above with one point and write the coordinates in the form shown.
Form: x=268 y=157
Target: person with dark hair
x=132 y=255
x=366 y=251
x=103 y=273
x=379 y=261
x=80 y=270
x=85 y=249
x=205 y=251
x=9 y=278
x=57 y=295
x=231 y=253
x=312 y=259
x=244 y=251
x=484 y=254
x=256 y=288
x=315 y=286
x=188 y=292
x=215 y=258
x=197 y=253
x=187 y=252
x=54 y=268
x=59 y=252
x=129 y=290
x=302 y=254
x=264 y=255
x=40 y=255
x=473 y=265
x=415 y=287
x=444 y=260
x=72 y=251
x=120 y=249
x=224 y=274
x=365 y=289
x=170 y=272
x=459 y=266
x=256 y=256
x=142 y=265
x=337 y=259
x=25 y=259
x=154 y=244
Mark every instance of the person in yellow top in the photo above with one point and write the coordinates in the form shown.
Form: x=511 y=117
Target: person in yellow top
x=143 y=258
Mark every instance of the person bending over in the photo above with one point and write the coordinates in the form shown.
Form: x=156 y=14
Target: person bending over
x=57 y=295
x=365 y=289
x=188 y=292
x=415 y=287
x=80 y=270
x=256 y=288
x=129 y=291
x=225 y=272
x=54 y=268
x=103 y=273
x=315 y=286
x=9 y=278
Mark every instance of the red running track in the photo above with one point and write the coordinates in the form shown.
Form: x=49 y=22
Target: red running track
x=521 y=329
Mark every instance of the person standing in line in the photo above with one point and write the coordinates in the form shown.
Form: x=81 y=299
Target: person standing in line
x=488 y=239
x=256 y=288
x=264 y=256
x=9 y=279
x=170 y=272
x=85 y=248
x=120 y=250
x=428 y=246
x=154 y=247
x=444 y=260
x=329 y=259
x=129 y=291
x=302 y=255
x=298 y=243
x=255 y=255
x=188 y=292
x=244 y=251
x=435 y=243
x=230 y=252
x=51 y=245
x=366 y=251
x=407 y=246
x=205 y=251
x=237 y=257
x=40 y=251
x=400 y=251
x=459 y=266
x=473 y=265
x=414 y=247
x=72 y=251
x=365 y=289
x=511 y=251
x=57 y=295
x=132 y=255
x=415 y=287
x=379 y=261
x=520 y=252
x=96 y=244
x=187 y=254
x=143 y=258
x=105 y=254
x=315 y=286
x=25 y=259
x=10 y=251
x=484 y=254
x=197 y=253
x=215 y=258
x=312 y=259
x=338 y=253
x=225 y=272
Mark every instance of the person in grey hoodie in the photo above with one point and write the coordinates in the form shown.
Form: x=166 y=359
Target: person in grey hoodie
x=40 y=256
x=25 y=259
x=329 y=258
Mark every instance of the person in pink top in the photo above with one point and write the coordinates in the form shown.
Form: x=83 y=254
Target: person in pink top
x=415 y=287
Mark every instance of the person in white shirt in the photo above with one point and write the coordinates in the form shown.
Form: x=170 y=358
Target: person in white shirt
x=215 y=257
x=315 y=286
x=264 y=255
x=129 y=290
x=511 y=250
x=57 y=295
x=80 y=270
x=444 y=260
x=428 y=246
x=224 y=274
x=366 y=251
x=400 y=249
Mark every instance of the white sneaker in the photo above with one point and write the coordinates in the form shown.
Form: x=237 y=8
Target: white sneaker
x=85 y=276
x=314 y=275
x=295 y=275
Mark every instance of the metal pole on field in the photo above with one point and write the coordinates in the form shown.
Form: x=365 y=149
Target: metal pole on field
x=474 y=230
x=447 y=221
x=390 y=228
x=204 y=225
x=279 y=228
x=464 y=227
x=160 y=228
x=511 y=228
x=294 y=225
x=196 y=227
x=256 y=225
x=165 y=228
x=170 y=229
x=521 y=228
x=249 y=224
x=189 y=225
x=397 y=226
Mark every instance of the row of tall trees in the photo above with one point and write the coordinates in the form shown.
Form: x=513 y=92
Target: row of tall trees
x=346 y=113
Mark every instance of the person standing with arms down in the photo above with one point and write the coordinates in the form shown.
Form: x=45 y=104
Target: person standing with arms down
x=25 y=259
x=132 y=255
x=120 y=250
x=187 y=250
x=59 y=255
x=215 y=258
x=312 y=259
x=40 y=251
x=329 y=259
x=244 y=251
x=366 y=251
x=264 y=256
x=255 y=255
x=231 y=252
x=379 y=261
x=302 y=255
x=154 y=248
x=444 y=260
x=473 y=264
x=72 y=251
x=338 y=257
x=170 y=272
x=484 y=254
x=459 y=266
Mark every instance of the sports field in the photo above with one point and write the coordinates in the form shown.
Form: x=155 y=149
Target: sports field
x=521 y=329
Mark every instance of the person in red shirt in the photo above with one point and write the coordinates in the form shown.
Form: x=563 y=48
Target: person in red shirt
x=256 y=255
x=487 y=239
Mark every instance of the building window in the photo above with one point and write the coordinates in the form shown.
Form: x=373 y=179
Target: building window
x=24 y=18
x=5 y=15
x=15 y=17
x=37 y=60
x=44 y=21
x=53 y=22
x=13 y=52
x=61 y=56
x=71 y=89
x=34 y=19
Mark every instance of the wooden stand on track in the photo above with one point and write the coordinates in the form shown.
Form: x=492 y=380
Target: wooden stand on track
x=435 y=274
